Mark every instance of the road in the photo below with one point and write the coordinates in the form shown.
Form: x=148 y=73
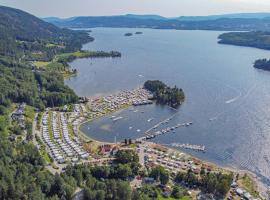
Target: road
x=34 y=131
x=141 y=153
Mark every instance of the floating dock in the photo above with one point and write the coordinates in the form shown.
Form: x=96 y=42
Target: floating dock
x=190 y=146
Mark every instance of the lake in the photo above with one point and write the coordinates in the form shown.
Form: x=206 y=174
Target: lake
x=227 y=100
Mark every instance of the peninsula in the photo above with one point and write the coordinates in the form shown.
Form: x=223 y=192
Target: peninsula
x=257 y=39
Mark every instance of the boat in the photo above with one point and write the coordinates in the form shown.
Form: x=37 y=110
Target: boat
x=138 y=130
x=151 y=119
x=117 y=118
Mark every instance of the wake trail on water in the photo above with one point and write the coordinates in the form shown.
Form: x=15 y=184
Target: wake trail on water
x=236 y=91
x=216 y=117
x=233 y=99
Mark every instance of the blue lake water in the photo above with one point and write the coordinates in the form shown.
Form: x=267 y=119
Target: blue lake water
x=219 y=82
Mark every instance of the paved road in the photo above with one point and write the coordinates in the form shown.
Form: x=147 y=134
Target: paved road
x=141 y=153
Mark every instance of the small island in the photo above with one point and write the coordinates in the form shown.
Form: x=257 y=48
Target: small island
x=128 y=34
x=263 y=64
x=164 y=94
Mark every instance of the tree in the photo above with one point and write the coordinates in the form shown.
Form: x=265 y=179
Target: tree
x=100 y=172
x=126 y=156
x=177 y=192
x=123 y=191
x=122 y=171
x=160 y=174
x=100 y=195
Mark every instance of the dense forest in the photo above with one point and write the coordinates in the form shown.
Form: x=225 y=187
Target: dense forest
x=23 y=176
x=257 y=39
x=164 y=94
x=25 y=36
x=218 y=184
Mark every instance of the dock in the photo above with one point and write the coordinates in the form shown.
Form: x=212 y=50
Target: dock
x=167 y=130
x=190 y=146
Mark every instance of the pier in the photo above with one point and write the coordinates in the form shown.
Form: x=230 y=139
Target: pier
x=151 y=135
x=190 y=146
x=160 y=123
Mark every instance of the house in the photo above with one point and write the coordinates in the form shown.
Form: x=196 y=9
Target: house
x=239 y=191
x=105 y=148
x=247 y=196
x=149 y=180
x=114 y=150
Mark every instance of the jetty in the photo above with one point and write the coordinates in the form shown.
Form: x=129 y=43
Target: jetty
x=160 y=123
x=190 y=146
x=167 y=130
x=141 y=102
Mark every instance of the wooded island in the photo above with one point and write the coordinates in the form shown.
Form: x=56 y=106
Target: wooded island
x=164 y=94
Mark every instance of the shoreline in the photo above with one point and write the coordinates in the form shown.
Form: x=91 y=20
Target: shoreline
x=259 y=185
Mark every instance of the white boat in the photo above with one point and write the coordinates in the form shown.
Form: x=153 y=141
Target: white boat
x=117 y=118
x=151 y=119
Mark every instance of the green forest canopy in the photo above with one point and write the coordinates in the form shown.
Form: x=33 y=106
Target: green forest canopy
x=164 y=94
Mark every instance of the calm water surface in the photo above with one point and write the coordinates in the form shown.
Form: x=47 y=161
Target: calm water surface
x=219 y=82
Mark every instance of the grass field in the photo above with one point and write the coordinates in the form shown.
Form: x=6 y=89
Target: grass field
x=249 y=185
x=39 y=64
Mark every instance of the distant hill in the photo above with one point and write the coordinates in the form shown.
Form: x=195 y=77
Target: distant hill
x=156 y=17
x=233 y=22
x=20 y=32
x=229 y=16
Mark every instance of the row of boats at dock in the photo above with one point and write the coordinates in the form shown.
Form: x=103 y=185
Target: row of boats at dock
x=142 y=102
x=190 y=146
x=150 y=136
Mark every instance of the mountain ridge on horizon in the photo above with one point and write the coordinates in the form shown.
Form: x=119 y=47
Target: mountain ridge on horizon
x=255 y=15
x=227 y=22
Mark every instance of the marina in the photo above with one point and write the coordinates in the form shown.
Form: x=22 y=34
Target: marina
x=166 y=130
x=199 y=69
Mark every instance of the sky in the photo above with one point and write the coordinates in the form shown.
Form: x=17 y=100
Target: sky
x=167 y=8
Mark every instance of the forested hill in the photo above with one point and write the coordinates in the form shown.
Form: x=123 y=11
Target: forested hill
x=21 y=33
x=257 y=39
x=183 y=23
x=24 y=40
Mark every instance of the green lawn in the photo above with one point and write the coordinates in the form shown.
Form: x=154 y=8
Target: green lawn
x=249 y=185
x=39 y=64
